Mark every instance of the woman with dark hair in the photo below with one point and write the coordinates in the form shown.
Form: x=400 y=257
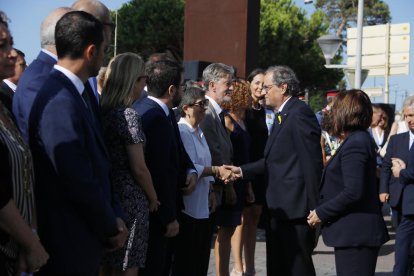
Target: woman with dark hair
x=255 y=121
x=20 y=248
x=348 y=211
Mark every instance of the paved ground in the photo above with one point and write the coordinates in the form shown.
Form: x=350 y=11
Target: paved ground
x=323 y=257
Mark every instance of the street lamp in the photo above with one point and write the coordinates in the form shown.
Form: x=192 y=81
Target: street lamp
x=329 y=45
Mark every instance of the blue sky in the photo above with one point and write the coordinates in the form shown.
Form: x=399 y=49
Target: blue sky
x=26 y=16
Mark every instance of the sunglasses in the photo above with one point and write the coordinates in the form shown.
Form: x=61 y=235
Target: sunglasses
x=203 y=103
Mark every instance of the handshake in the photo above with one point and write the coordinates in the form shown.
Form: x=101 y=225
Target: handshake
x=226 y=173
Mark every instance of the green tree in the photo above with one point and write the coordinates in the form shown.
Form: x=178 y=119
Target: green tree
x=288 y=37
x=343 y=13
x=149 y=26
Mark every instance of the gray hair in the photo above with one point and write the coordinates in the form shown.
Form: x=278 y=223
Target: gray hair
x=284 y=74
x=47 y=29
x=409 y=101
x=190 y=95
x=215 y=71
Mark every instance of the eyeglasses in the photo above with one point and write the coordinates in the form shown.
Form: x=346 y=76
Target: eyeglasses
x=203 y=103
x=266 y=88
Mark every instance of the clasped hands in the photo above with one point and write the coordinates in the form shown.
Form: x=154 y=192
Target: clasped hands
x=397 y=166
x=313 y=219
x=227 y=173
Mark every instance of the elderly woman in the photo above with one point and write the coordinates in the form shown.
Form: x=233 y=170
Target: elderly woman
x=349 y=212
x=194 y=239
x=130 y=177
x=16 y=184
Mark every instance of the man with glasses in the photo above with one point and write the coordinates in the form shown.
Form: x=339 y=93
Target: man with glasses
x=173 y=174
x=293 y=167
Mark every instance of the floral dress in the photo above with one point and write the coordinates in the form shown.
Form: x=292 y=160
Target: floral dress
x=122 y=127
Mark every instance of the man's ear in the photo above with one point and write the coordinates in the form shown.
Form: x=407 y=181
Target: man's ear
x=212 y=86
x=284 y=87
x=172 y=90
x=90 y=51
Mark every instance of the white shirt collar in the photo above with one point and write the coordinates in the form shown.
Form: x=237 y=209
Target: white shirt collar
x=50 y=54
x=10 y=84
x=184 y=122
x=283 y=104
x=216 y=106
x=411 y=138
x=161 y=104
x=77 y=82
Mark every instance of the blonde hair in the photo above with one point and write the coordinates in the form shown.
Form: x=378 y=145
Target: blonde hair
x=120 y=77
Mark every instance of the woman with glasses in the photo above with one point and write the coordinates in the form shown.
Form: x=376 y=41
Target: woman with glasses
x=131 y=181
x=194 y=239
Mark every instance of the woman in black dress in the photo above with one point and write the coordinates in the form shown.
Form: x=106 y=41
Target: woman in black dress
x=131 y=180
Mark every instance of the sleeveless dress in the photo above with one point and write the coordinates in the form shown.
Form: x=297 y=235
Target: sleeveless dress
x=122 y=126
x=230 y=215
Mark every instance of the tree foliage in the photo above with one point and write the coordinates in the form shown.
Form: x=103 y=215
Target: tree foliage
x=342 y=14
x=289 y=37
x=149 y=26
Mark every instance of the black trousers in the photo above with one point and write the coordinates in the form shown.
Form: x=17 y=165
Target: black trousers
x=356 y=261
x=404 y=240
x=192 y=247
x=289 y=247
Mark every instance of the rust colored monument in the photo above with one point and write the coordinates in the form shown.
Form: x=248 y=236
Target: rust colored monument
x=224 y=31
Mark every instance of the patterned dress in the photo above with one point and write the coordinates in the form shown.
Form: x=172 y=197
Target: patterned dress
x=122 y=126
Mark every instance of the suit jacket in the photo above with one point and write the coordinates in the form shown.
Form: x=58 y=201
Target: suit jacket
x=292 y=163
x=349 y=208
x=30 y=83
x=73 y=193
x=165 y=157
x=6 y=96
x=218 y=139
x=407 y=179
x=398 y=147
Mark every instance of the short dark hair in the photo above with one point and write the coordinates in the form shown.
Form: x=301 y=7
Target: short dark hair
x=254 y=73
x=75 y=31
x=284 y=74
x=161 y=74
x=190 y=95
x=351 y=111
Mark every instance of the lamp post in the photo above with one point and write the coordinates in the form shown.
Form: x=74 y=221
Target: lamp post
x=358 y=59
x=329 y=45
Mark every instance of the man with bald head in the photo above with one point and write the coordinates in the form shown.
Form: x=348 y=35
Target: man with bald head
x=35 y=75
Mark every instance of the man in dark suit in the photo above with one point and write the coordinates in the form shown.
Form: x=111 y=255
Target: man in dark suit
x=293 y=167
x=37 y=72
x=171 y=169
x=8 y=86
x=77 y=217
x=405 y=231
x=390 y=188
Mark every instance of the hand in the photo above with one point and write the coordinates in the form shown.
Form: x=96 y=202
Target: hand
x=384 y=197
x=224 y=173
x=313 y=219
x=236 y=173
x=190 y=183
x=212 y=203
x=32 y=258
x=118 y=241
x=397 y=166
x=153 y=205
x=172 y=229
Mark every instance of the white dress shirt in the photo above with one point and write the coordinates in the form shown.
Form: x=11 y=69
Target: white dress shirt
x=196 y=204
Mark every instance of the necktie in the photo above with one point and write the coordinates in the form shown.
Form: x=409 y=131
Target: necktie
x=222 y=115
x=87 y=99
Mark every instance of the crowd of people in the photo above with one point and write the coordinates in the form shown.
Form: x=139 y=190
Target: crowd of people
x=128 y=169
